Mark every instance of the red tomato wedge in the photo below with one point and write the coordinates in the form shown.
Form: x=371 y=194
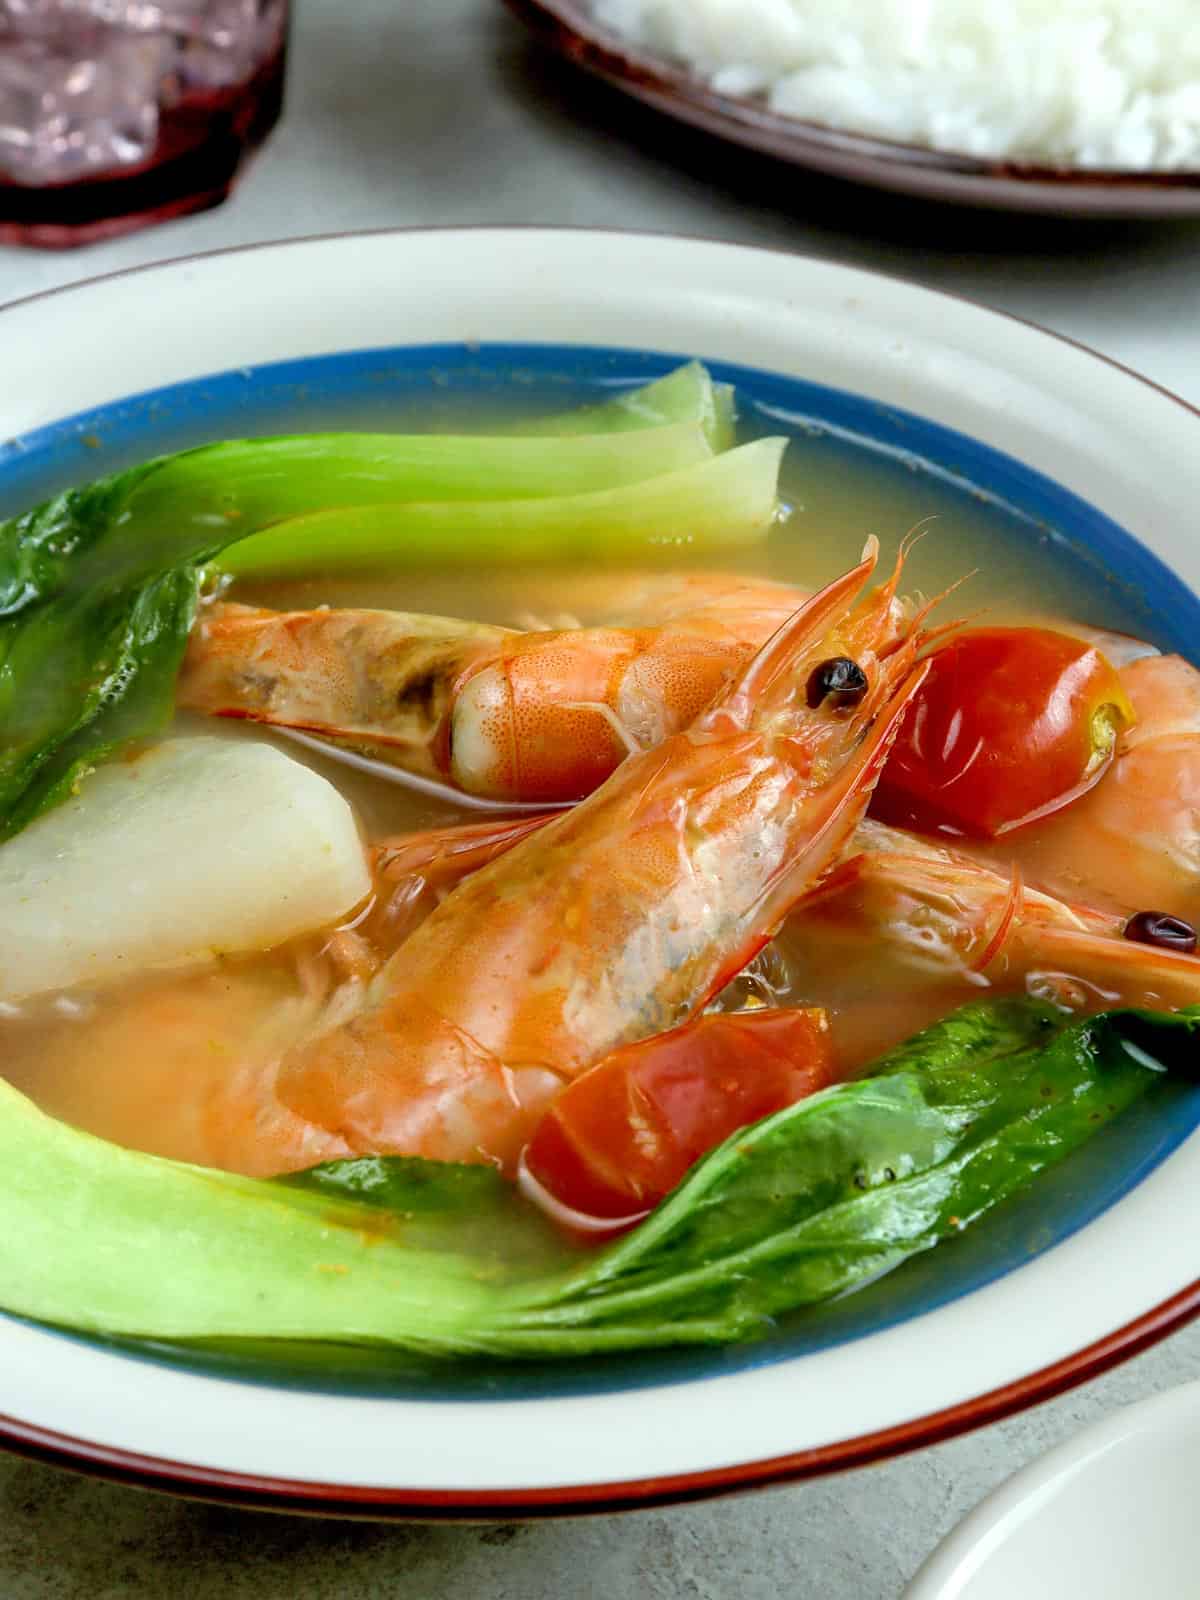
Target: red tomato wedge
x=622 y=1136
x=1010 y=725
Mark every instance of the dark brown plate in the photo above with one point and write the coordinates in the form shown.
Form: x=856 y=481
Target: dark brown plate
x=568 y=27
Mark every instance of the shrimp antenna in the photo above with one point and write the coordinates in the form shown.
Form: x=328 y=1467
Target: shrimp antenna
x=917 y=532
x=921 y=636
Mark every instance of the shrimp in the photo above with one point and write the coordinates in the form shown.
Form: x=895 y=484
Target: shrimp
x=380 y=681
x=943 y=925
x=725 y=604
x=539 y=717
x=624 y=916
x=752 y=607
x=1133 y=841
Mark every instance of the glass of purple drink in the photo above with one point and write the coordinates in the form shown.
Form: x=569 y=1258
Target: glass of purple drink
x=118 y=113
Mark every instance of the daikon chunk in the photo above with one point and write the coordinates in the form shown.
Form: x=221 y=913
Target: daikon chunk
x=196 y=848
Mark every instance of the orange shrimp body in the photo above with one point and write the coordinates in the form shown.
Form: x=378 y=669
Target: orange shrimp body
x=381 y=681
x=538 y=717
x=938 y=910
x=624 y=916
x=185 y=1068
x=906 y=931
x=724 y=605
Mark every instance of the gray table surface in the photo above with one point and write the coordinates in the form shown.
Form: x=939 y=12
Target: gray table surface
x=440 y=111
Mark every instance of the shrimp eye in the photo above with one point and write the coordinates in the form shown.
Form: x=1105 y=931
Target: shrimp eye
x=840 y=677
x=1156 y=927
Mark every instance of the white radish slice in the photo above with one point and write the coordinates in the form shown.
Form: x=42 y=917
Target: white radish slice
x=196 y=848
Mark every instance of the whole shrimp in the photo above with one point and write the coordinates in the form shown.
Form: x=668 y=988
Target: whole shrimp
x=940 y=925
x=536 y=717
x=626 y=915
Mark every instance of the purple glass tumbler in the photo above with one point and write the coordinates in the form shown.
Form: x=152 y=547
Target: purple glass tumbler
x=115 y=114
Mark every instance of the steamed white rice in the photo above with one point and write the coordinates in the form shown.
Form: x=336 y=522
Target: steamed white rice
x=1090 y=83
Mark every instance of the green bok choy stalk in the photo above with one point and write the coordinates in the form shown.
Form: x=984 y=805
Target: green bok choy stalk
x=727 y=501
x=686 y=395
x=813 y=1201
x=98 y=586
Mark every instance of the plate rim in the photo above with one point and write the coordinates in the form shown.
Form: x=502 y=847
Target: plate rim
x=955 y=177
x=1025 y=1489
x=261 y=1492
x=575 y=1499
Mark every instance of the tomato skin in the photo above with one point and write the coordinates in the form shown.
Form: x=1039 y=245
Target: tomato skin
x=1010 y=725
x=623 y=1134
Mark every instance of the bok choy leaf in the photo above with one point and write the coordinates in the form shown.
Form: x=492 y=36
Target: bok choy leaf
x=811 y=1202
x=98 y=586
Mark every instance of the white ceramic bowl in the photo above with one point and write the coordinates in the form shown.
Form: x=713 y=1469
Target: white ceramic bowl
x=1110 y=1515
x=1098 y=431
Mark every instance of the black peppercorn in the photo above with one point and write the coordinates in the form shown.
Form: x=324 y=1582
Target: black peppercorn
x=1163 y=930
